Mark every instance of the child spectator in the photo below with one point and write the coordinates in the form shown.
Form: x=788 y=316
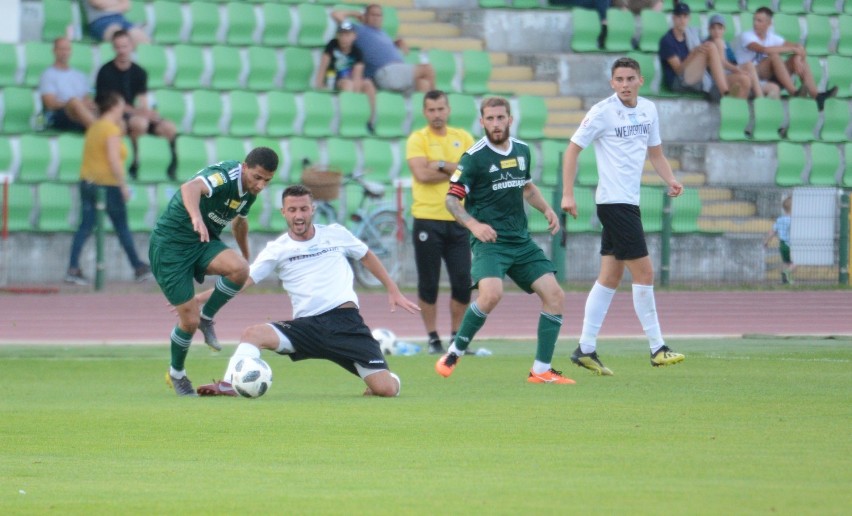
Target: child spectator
x=781 y=229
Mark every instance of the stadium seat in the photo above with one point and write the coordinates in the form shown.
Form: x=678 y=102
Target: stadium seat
x=651 y=207
x=686 y=209
x=58 y=18
x=263 y=69
x=532 y=117
x=647 y=64
x=621 y=28
x=727 y=6
x=302 y=152
x=551 y=159
x=476 y=65
x=787 y=25
x=21 y=206
x=153 y=59
x=654 y=26
x=846 y=180
x=274 y=144
x=205 y=23
x=494 y=4
x=825 y=164
x=244 y=113
x=189 y=67
x=318 y=111
x=734 y=117
x=168 y=22
x=819 y=35
x=7 y=161
x=341 y=154
x=227 y=67
x=844 y=25
x=464 y=112
x=36 y=158
x=18 y=109
x=416 y=109
x=525 y=4
x=587 y=167
x=70 y=147
x=171 y=106
x=390 y=20
x=154 y=157
x=192 y=154
x=587 y=216
x=227 y=148
x=8 y=65
x=379 y=162
x=803 y=116
x=444 y=64
x=536 y=221
x=825 y=7
x=39 y=56
x=241 y=24
x=136 y=14
x=836 y=122
x=140 y=216
x=83 y=59
x=586 y=25
x=281 y=113
x=768 y=118
x=353 y=114
x=276 y=25
x=313 y=24
x=207 y=112
x=54 y=204
x=791 y=164
x=791 y=7
x=391 y=114
x=164 y=191
x=298 y=69
x=840 y=74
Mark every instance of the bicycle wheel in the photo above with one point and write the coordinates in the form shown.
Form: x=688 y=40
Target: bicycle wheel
x=379 y=232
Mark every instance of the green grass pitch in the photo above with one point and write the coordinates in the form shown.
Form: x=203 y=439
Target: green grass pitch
x=743 y=426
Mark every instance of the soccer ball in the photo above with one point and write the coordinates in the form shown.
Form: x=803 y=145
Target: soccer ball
x=251 y=377
x=387 y=340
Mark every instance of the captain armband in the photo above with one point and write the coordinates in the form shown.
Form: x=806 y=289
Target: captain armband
x=457 y=190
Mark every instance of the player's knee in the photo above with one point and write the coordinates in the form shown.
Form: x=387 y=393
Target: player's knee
x=252 y=334
x=389 y=387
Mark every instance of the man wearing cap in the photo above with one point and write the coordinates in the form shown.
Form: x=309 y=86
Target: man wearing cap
x=757 y=87
x=383 y=57
x=686 y=61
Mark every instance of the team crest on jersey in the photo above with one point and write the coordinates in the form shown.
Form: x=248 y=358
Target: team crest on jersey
x=217 y=179
x=234 y=204
x=633 y=119
x=509 y=163
x=522 y=163
x=493 y=168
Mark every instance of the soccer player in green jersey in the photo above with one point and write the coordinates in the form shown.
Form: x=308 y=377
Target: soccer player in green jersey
x=493 y=179
x=185 y=245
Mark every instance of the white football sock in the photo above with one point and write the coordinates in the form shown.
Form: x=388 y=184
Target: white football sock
x=454 y=349
x=646 y=310
x=540 y=367
x=398 y=383
x=244 y=350
x=597 y=305
x=174 y=373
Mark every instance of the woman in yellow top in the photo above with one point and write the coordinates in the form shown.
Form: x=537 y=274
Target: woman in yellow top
x=104 y=153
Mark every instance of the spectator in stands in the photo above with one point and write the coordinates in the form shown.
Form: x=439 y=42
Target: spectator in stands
x=781 y=229
x=729 y=61
x=383 y=57
x=64 y=91
x=103 y=167
x=766 y=49
x=598 y=5
x=686 y=61
x=342 y=67
x=106 y=17
x=128 y=78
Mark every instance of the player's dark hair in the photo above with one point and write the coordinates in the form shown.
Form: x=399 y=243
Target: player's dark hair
x=495 y=102
x=108 y=100
x=434 y=95
x=263 y=156
x=296 y=191
x=120 y=33
x=626 y=62
x=765 y=10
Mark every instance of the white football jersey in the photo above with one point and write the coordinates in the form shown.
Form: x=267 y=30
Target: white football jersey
x=621 y=136
x=315 y=273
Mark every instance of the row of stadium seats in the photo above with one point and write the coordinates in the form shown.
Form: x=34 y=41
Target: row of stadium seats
x=795 y=119
x=817 y=164
x=701 y=6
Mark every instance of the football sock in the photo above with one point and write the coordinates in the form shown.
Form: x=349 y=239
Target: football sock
x=548 y=331
x=224 y=291
x=398 y=384
x=646 y=310
x=597 y=305
x=433 y=337
x=180 y=341
x=244 y=350
x=540 y=367
x=472 y=321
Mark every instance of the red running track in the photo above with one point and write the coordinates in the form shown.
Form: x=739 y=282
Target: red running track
x=115 y=318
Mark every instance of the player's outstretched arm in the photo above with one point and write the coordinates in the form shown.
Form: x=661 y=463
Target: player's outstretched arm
x=569 y=174
x=664 y=170
x=395 y=297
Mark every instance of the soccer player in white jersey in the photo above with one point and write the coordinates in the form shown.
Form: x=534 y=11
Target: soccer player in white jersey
x=624 y=128
x=312 y=262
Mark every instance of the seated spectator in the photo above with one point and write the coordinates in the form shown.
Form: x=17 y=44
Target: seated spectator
x=65 y=92
x=128 y=78
x=729 y=61
x=105 y=17
x=342 y=67
x=766 y=49
x=383 y=57
x=686 y=61
x=598 y=5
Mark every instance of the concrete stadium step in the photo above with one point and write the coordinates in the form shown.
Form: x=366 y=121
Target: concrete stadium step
x=564 y=103
x=451 y=44
x=540 y=88
x=415 y=16
x=687 y=179
x=728 y=209
x=511 y=73
x=736 y=225
x=709 y=194
x=559 y=132
x=401 y=5
x=423 y=29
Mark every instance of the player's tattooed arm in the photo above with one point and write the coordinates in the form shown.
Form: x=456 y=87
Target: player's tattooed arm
x=454 y=206
x=483 y=232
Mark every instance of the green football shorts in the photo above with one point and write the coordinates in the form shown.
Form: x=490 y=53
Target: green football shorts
x=523 y=263
x=174 y=266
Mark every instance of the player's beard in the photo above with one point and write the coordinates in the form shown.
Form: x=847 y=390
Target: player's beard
x=504 y=136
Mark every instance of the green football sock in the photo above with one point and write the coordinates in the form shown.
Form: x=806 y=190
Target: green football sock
x=180 y=341
x=471 y=323
x=548 y=332
x=224 y=291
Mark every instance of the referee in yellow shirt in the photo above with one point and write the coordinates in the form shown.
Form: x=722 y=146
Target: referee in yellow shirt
x=433 y=153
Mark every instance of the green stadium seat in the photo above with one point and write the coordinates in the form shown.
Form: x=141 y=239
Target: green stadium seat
x=18 y=109
x=727 y=6
x=164 y=191
x=464 y=112
x=824 y=7
x=241 y=24
x=647 y=64
x=536 y=221
x=587 y=167
x=313 y=24
x=39 y=56
x=586 y=25
x=686 y=209
x=276 y=26
x=476 y=65
x=207 y=113
x=390 y=21
x=791 y=7
x=318 y=110
x=55 y=202
x=274 y=144
x=140 y=215
x=70 y=147
x=244 y=113
x=525 y=4
x=20 y=211
x=8 y=65
x=205 y=23
x=846 y=180
x=302 y=151
x=192 y=154
x=444 y=64
x=83 y=59
x=36 y=158
x=354 y=114
x=835 y=126
x=654 y=26
x=298 y=69
x=494 y=4
x=58 y=19
x=734 y=117
x=391 y=115
x=228 y=148
x=551 y=164
x=587 y=212
x=768 y=118
x=378 y=161
x=840 y=74
x=416 y=109
x=281 y=113
x=189 y=67
x=259 y=213
x=791 y=164
x=621 y=28
x=787 y=25
x=825 y=164
x=803 y=117
x=227 y=67
x=341 y=154
x=153 y=59
x=171 y=106
x=7 y=165
x=651 y=208
x=168 y=22
x=263 y=69
x=532 y=117
x=136 y=14
x=154 y=157
x=844 y=25
x=819 y=35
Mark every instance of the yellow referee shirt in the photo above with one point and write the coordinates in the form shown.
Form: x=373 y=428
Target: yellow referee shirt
x=95 y=164
x=429 y=198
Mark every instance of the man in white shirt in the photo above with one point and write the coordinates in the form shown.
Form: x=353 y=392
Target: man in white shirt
x=64 y=91
x=766 y=49
x=312 y=263
x=624 y=128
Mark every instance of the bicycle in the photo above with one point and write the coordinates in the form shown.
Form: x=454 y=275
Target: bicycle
x=377 y=222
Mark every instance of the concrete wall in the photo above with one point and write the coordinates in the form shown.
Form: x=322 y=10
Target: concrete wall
x=744 y=163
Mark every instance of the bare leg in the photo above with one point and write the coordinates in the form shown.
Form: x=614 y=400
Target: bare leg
x=424 y=77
